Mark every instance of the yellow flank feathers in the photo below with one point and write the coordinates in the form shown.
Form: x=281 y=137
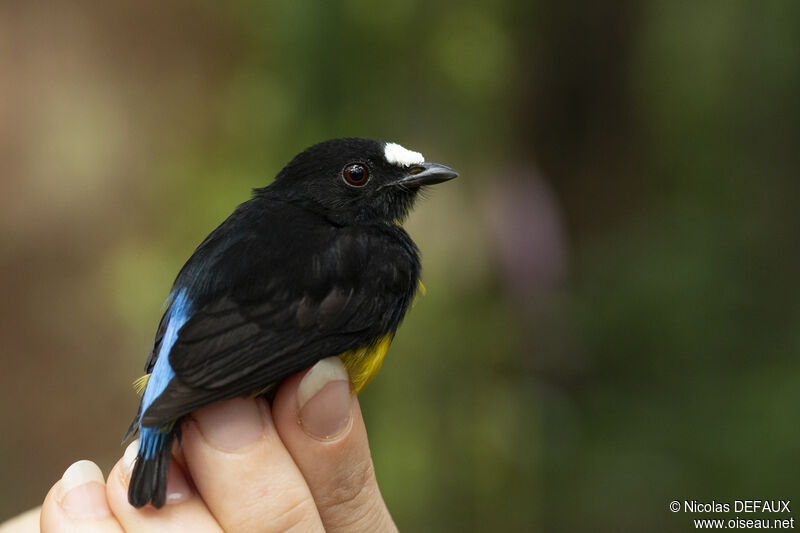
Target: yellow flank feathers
x=141 y=383
x=422 y=291
x=167 y=428
x=263 y=391
x=363 y=363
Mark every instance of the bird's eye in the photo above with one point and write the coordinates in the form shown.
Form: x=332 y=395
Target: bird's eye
x=355 y=174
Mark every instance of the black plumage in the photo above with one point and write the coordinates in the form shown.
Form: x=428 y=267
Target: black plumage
x=314 y=265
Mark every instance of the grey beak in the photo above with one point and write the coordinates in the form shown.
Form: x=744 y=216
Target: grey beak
x=426 y=174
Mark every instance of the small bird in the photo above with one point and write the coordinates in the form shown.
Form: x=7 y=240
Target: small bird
x=314 y=265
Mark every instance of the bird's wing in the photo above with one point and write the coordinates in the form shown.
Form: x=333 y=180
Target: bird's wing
x=342 y=297
x=162 y=327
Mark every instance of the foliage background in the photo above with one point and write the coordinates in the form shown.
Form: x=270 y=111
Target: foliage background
x=612 y=308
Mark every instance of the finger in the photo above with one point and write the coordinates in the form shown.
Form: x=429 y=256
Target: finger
x=243 y=471
x=27 y=522
x=319 y=421
x=184 y=509
x=77 y=502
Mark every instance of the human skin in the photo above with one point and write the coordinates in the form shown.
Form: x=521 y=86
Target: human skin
x=302 y=464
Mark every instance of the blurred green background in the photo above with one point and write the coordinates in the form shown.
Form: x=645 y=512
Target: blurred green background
x=612 y=312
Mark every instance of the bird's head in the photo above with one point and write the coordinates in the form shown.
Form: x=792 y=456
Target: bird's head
x=356 y=181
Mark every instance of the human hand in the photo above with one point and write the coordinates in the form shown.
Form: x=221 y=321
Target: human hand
x=302 y=465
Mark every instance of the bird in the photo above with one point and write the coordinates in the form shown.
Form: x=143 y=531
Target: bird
x=315 y=264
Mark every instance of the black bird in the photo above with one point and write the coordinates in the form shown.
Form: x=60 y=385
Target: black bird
x=312 y=266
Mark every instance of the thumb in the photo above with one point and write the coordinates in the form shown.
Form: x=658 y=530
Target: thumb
x=319 y=421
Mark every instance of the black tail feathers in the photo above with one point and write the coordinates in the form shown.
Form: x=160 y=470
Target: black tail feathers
x=149 y=476
x=134 y=427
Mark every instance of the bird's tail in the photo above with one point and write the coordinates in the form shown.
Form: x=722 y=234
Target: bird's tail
x=149 y=476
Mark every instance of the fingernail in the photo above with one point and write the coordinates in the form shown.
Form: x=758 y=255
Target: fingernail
x=323 y=398
x=83 y=491
x=178 y=488
x=231 y=426
x=129 y=456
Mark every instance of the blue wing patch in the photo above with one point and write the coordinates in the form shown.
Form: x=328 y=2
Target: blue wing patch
x=162 y=374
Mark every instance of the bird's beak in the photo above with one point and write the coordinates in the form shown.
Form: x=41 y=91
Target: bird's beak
x=426 y=174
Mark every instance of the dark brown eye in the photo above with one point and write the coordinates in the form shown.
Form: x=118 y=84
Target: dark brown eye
x=355 y=174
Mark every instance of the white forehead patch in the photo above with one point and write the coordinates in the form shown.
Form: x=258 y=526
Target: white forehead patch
x=402 y=157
